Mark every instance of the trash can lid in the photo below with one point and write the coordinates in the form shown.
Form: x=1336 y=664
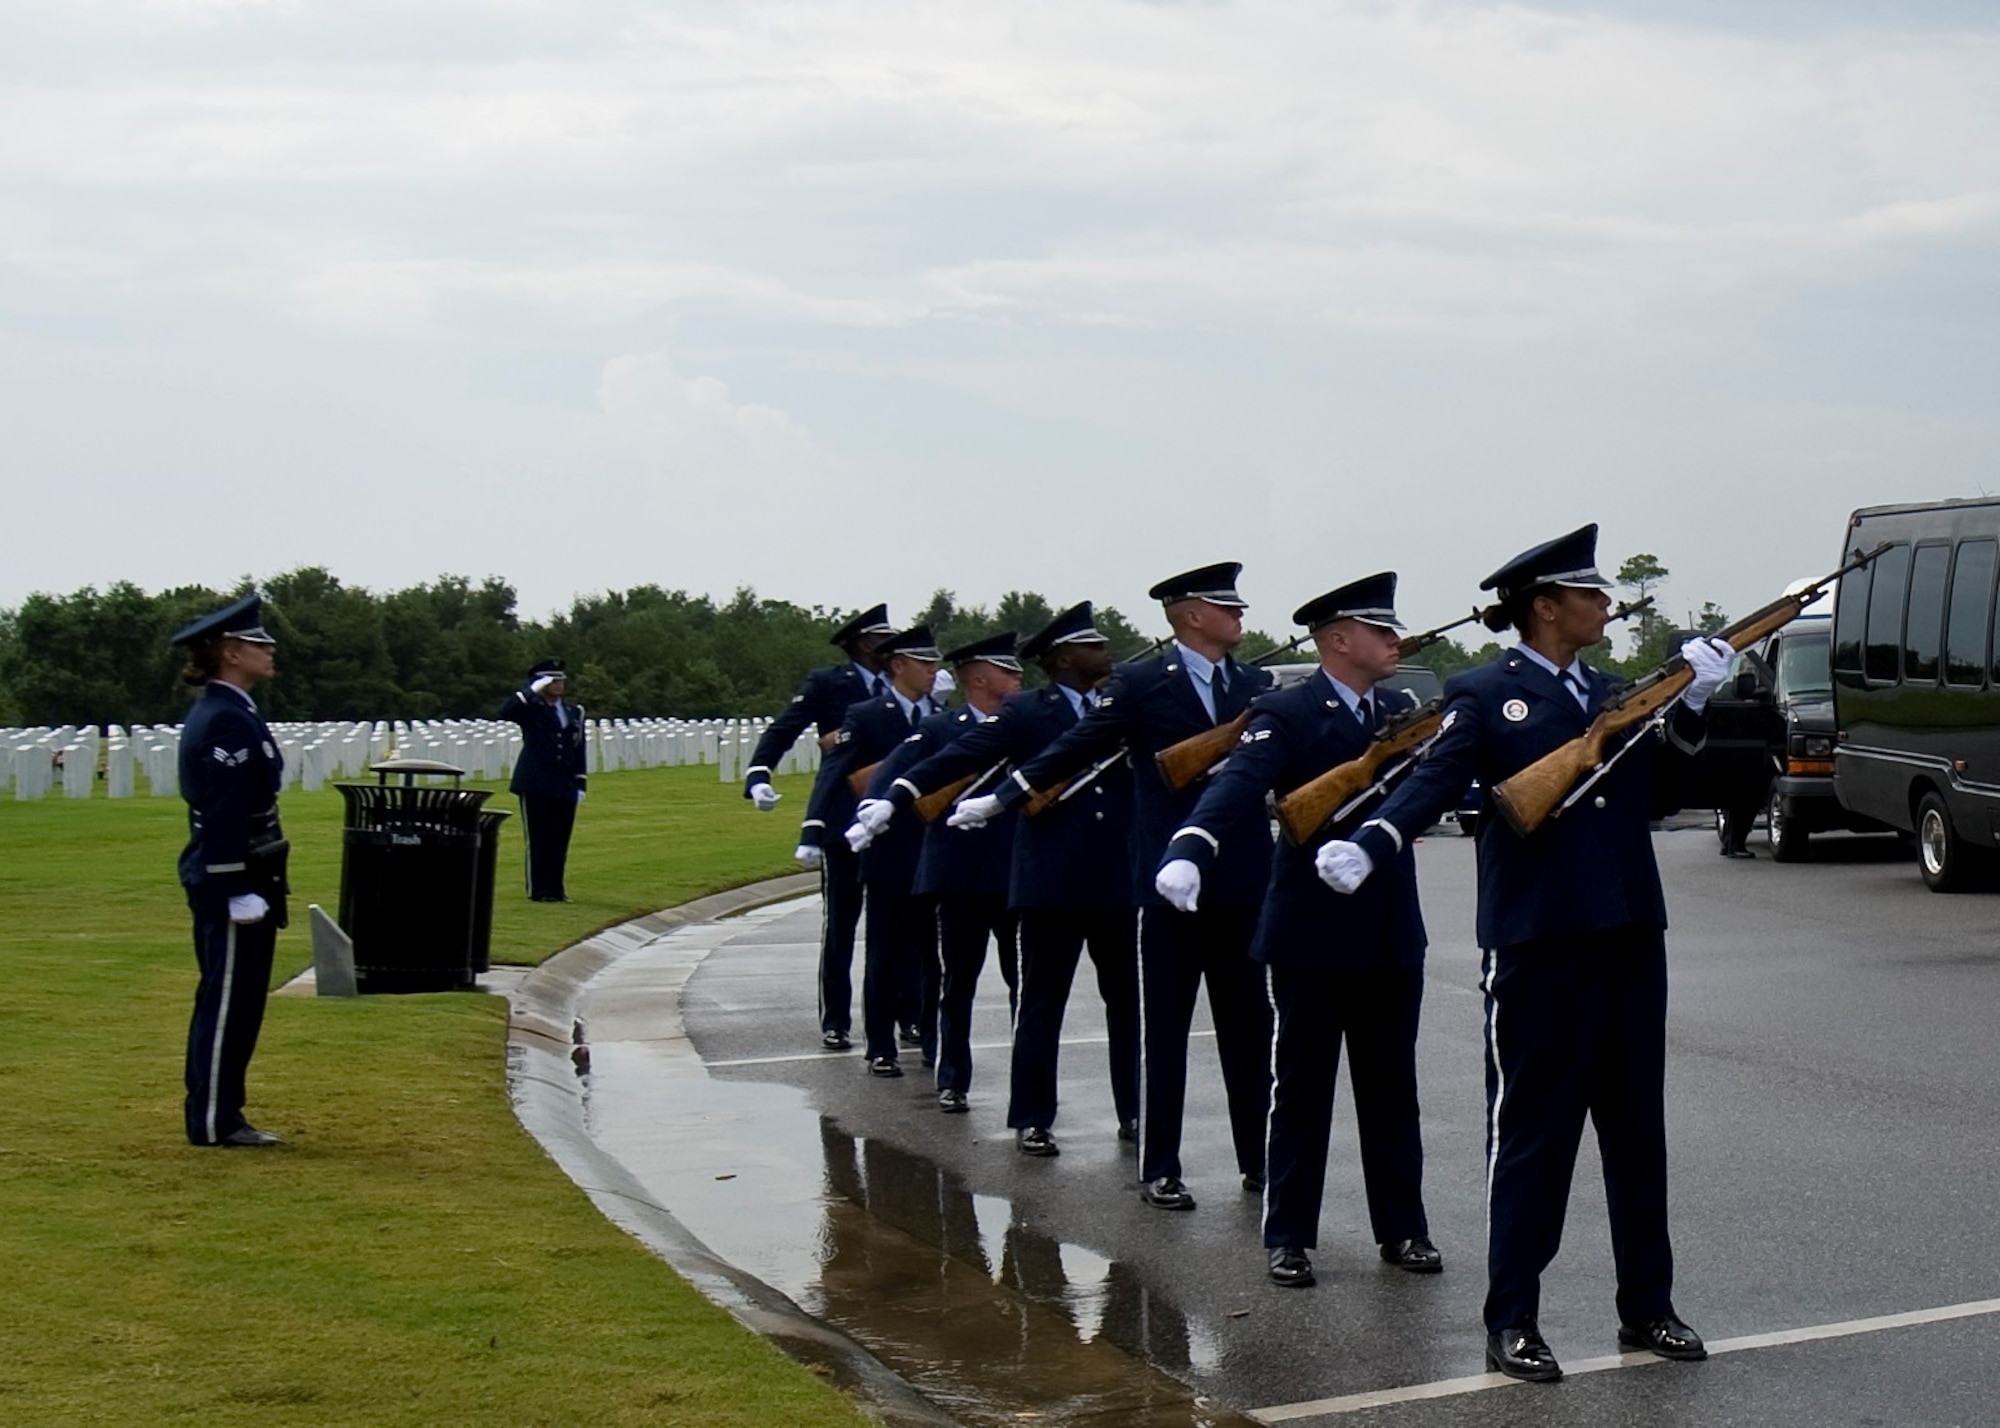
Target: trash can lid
x=410 y=768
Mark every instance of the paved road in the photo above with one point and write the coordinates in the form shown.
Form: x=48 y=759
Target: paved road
x=1834 y=1114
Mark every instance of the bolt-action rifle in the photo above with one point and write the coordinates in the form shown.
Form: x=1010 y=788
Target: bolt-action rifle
x=1548 y=786
x=1181 y=764
x=1336 y=794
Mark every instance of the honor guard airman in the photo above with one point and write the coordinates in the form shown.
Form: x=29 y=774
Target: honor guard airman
x=1343 y=969
x=549 y=775
x=902 y=934
x=822 y=703
x=1070 y=881
x=1150 y=704
x=1572 y=920
x=963 y=872
x=233 y=867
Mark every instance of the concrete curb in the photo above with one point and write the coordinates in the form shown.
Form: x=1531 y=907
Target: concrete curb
x=547 y=1063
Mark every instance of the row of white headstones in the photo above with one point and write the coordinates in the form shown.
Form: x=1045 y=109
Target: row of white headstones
x=34 y=763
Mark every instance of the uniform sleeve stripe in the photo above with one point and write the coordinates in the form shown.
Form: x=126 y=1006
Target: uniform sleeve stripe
x=915 y=792
x=227 y=867
x=1389 y=828
x=1201 y=833
x=1016 y=776
x=813 y=823
x=756 y=769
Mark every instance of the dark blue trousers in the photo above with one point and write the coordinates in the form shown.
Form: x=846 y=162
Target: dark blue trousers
x=546 y=825
x=900 y=975
x=1052 y=941
x=965 y=923
x=235 y=964
x=1375 y=1014
x=1177 y=952
x=1576 y=1026
x=840 y=914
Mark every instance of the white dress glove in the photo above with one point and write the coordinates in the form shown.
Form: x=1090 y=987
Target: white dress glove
x=541 y=686
x=764 y=796
x=580 y=794
x=1709 y=658
x=975 y=812
x=248 y=907
x=1343 y=866
x=871 y=818
x=808 y=857
x=942 y=684
x=1179 y=882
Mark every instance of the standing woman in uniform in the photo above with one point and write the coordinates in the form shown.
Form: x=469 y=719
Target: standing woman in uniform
x=1573 y=926
x=549 y=775
x=233 y=867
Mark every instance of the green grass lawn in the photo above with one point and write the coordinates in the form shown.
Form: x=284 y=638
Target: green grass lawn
x=411 y=1256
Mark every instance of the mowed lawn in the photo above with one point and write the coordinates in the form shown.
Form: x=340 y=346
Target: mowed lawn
x=411 y=1256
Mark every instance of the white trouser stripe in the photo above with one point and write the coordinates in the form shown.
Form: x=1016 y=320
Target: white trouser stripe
x=527 y=850
x=1271 y=1111
x=1489 y=970
x=221 y=1025
x=1145 y=1066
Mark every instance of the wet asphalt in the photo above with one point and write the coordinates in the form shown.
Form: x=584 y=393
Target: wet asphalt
x=1834 y=1117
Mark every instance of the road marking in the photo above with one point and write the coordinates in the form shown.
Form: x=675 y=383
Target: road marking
x=1475 y=1383
x=976 y=1046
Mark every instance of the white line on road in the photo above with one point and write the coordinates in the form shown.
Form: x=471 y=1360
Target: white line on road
x=1449 y=1387
x=976 y=1046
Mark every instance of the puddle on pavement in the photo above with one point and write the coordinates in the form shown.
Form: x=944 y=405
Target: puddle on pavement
x=994 y=1321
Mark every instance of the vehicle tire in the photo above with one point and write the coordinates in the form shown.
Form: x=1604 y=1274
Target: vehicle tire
x=1942 y=857
x=1788 y=839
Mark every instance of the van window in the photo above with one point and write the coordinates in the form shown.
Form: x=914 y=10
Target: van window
x=1850 y=618
x=1883 y=654
x=1971 y=608
x=1923 y=632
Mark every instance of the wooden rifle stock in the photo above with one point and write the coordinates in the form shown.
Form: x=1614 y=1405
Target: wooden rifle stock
x=1306 y=809
x=934 y=803
x=1535 y=794
x=857 y=782
x=1181 y=764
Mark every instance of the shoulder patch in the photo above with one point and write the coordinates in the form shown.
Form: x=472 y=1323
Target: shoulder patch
x=1450 y=718
x=1514 y=710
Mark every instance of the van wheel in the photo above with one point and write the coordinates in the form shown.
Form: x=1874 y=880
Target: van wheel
x=1942 y=856
x=1788 y=840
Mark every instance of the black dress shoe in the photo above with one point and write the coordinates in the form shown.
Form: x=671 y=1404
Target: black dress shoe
x=1253 y=1184
x=1737 y=853
x=1128 y=1130
x=1291 y=1268
x=1036 y=1140
x=1666 y=1336
x=249 y=1135
x=1521 y=1352
x=953 y=1103
x=1418 y=1256
x=835 y=1041
x=885 y=1066
x=1166 y=1193
x=908 y=1036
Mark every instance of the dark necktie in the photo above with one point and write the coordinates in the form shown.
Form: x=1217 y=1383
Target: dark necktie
x=1364 y=710
x=916 y=713
x=1574 y=683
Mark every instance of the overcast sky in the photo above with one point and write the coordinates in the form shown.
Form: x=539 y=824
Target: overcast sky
x=851 y=301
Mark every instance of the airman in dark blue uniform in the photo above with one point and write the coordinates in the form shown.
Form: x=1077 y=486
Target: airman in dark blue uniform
x=1070 y=881
x=822 y=703
x=549 y=774
x=962 y=872
x=902 y=932
x=1342 y=968
x=1573 y=923
x=233 y=867
x=1149 y=705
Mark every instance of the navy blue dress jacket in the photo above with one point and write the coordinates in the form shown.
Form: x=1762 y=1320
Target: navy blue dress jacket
x=551 y=763
x=822 y=701
x=870 y=732
x=955 y=862
x=231 y=772
x=1150 y=705
x=1296 y=734
x=1590 y=869
x=1074 y=854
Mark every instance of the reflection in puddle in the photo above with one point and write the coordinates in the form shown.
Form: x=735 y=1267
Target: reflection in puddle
x=991 y=1319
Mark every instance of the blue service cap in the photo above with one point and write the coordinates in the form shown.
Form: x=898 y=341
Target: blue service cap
x=546 y=666
x=872 y=621
x=996 y=650
x=1371 y=598
x=1213 y=583
x=241 y=619
x=1566 y=560
x=915 y=642
x=1073 y=626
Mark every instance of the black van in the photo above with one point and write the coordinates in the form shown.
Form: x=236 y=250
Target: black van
x=1915 y=695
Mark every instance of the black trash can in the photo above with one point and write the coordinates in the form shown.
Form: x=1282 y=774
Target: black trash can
x=416 y=879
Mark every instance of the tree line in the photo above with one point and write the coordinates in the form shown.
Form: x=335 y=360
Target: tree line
x=453 y=647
